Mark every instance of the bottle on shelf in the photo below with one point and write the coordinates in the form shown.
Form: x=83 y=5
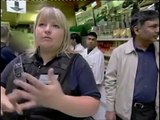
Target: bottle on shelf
x=128 y=32
x=122 y=27
x=116 y=28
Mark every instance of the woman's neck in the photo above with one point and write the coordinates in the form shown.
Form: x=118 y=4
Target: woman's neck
x=47 y=56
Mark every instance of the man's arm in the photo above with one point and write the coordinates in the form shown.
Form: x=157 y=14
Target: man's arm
x=110 y=81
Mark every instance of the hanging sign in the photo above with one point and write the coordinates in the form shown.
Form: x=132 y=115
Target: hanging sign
x=16 y=6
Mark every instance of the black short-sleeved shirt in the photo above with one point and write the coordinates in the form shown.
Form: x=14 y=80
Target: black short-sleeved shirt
x=80 y=78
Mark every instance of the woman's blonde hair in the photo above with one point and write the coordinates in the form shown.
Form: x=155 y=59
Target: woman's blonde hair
x=56 y=14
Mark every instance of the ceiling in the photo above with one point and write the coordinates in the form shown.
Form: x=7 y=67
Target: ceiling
x=67 y=6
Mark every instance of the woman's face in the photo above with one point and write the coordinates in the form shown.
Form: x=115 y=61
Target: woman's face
x=48 y=34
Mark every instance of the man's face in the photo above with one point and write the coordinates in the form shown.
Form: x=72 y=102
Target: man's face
x=73 y=42
x=91 y=42
x=149 y=31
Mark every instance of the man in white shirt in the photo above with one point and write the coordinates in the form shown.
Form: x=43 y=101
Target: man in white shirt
x=76 y=43
x=95 y=59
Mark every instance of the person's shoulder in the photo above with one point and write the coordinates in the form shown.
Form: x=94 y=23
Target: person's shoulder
x=98 y=51
x=78 y=59
x=70 y=58
x=122 y=47
x=23 y=57
x=83 y=51
x=6 y=49
x=82 y=46
x=7 y=52
x=79 y=64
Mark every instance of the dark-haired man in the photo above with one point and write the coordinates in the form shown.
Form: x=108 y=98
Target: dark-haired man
x=77 y=42
x=132 y=82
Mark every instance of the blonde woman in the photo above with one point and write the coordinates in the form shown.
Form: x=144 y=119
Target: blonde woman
x=56 y=84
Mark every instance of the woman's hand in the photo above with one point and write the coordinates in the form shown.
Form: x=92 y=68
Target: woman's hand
x=6 y=104
x=37 y=93
x=52 y=96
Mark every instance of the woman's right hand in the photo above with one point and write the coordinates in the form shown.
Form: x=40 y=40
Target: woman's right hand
x=6 y=104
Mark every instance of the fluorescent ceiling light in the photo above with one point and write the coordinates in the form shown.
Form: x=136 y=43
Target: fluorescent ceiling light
x=94 y=4
x=78 y=13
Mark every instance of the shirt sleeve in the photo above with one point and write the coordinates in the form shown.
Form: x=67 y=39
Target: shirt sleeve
x=82 y=78
x=110 y=81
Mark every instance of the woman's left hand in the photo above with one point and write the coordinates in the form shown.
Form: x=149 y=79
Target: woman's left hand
x=37 y=93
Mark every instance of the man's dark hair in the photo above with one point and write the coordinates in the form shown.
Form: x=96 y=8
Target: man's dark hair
x=92 y=34
x=4 y=31
x=77 y=37
x=141 y=17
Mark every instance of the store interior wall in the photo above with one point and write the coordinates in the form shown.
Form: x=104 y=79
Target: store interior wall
x=32 y=10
